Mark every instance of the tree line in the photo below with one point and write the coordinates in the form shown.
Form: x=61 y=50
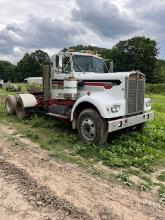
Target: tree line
x=137 y=53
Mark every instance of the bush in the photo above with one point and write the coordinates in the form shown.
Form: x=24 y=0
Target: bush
x=155 y=88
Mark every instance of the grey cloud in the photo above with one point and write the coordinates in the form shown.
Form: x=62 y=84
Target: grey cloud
x=47 y=33
x=37 y=33
x=138 y=5
x=150 y=16
x=6 y=44
x=156 y=14
x=104 y=18
x=98 y=22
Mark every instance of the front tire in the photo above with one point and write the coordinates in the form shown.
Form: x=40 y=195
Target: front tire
x=92 y=128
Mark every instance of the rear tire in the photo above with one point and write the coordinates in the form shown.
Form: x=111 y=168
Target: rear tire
x=10 y=105
x=92 y=128
x=21 y=112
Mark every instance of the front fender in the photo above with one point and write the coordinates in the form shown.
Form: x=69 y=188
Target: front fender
x=102 y=103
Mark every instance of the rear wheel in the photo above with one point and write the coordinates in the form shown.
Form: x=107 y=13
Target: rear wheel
x=10 y=104
x=21 y=112
x=92 y=128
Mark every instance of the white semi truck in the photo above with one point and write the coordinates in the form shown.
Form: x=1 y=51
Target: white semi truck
x=78 y=88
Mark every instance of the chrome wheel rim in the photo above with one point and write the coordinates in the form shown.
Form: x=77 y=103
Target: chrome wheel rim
x=88 y=129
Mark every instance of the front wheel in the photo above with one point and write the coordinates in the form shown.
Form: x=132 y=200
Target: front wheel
x=92 y=128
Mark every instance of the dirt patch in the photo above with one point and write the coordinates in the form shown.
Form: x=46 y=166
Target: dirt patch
x=38 y=195
x=13 y=205
x=73 y=191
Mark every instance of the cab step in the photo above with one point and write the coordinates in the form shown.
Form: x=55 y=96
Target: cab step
x=58 y=116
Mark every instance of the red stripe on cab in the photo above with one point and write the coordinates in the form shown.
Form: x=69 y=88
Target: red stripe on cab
x=105 y=85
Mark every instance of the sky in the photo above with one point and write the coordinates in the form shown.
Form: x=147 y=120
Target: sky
x=50 y=25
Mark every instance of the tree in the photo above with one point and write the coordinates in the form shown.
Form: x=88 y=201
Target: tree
x=31 y=64
x=7 y=71
x=159 y=72
x=138 y=53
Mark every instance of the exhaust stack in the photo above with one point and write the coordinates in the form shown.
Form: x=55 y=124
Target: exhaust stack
x=46 y=82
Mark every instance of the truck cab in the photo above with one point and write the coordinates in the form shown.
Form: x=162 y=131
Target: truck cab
x=116 y=99
x=79 y=88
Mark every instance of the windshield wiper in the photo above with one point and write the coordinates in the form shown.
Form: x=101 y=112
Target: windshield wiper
x=79 y=68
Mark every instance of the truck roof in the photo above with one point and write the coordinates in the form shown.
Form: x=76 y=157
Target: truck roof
x=86 y=54
x=80 y=53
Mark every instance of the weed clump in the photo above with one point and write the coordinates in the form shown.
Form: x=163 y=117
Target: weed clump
x=137 y=149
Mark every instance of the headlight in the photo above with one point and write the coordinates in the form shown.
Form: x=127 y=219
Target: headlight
x=148 y=103
x=115 y=108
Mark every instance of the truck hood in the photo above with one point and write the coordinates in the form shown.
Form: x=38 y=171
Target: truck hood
x=101 y=76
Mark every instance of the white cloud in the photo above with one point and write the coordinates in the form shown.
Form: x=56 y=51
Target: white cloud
x=51 y=25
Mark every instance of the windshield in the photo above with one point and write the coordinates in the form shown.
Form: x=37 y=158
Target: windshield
x=89 y=64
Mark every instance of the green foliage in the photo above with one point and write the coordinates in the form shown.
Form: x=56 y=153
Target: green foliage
x=14 y=140
x=131 y=149
x=7 y=71
x=31 y=65
x=158 y=102
x=146 y=185
x=126 y=149
x=161 y=177
x=29 y=133
x=155 y=88
x=161 y=192
x=137 y=53
x=125 y=178
x=159 y=72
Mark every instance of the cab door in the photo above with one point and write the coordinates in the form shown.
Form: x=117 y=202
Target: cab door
x=59 y=77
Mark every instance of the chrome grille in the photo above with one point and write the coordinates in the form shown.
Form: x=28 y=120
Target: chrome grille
x=135 y=98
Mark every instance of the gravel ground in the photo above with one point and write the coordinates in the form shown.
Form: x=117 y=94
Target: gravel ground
x=34 y=186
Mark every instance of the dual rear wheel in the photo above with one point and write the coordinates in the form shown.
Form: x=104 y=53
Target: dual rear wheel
x=92 y=128
x=14 y=105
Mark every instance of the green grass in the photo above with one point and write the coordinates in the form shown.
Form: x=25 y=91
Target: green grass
x=124 y=149
x=161 y=177
x=125 y=178
x=146 y=184
x=3 y=92
x=161 y=192
x=129 y=152
x=158 y=102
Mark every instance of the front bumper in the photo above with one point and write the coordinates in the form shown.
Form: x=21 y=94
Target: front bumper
x=118 y=124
